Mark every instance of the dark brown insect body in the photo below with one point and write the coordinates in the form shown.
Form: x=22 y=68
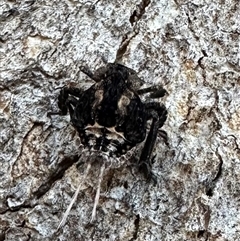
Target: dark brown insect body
x=110 y=116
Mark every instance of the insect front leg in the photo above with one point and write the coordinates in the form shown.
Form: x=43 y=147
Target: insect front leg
x=67 y=100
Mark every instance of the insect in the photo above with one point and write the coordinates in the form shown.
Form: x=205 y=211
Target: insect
x=111 y=119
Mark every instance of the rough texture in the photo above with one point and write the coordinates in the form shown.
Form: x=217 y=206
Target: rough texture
x=191 y=48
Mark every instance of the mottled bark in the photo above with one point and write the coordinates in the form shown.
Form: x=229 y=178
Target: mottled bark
x=192 y=49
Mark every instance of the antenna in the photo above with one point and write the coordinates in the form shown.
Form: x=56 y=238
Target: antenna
x=73 y=198
x=98 y=192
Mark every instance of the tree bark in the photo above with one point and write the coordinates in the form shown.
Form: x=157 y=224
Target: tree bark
x=192 y=49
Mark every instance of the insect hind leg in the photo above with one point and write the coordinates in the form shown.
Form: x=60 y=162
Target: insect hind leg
x=158 y=113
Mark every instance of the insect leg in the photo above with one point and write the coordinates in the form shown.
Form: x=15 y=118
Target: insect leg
x=145 y=158
x=66 y=100
x=66 y=97
x=159 y=109
x=158 y=114
x=156 y=91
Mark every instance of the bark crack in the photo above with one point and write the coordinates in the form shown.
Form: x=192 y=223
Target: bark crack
x=139 y=11
x=136 y=223
x=57 y=175
x=210 y=189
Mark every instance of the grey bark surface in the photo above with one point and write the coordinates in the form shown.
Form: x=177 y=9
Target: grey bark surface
x=192 y=49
